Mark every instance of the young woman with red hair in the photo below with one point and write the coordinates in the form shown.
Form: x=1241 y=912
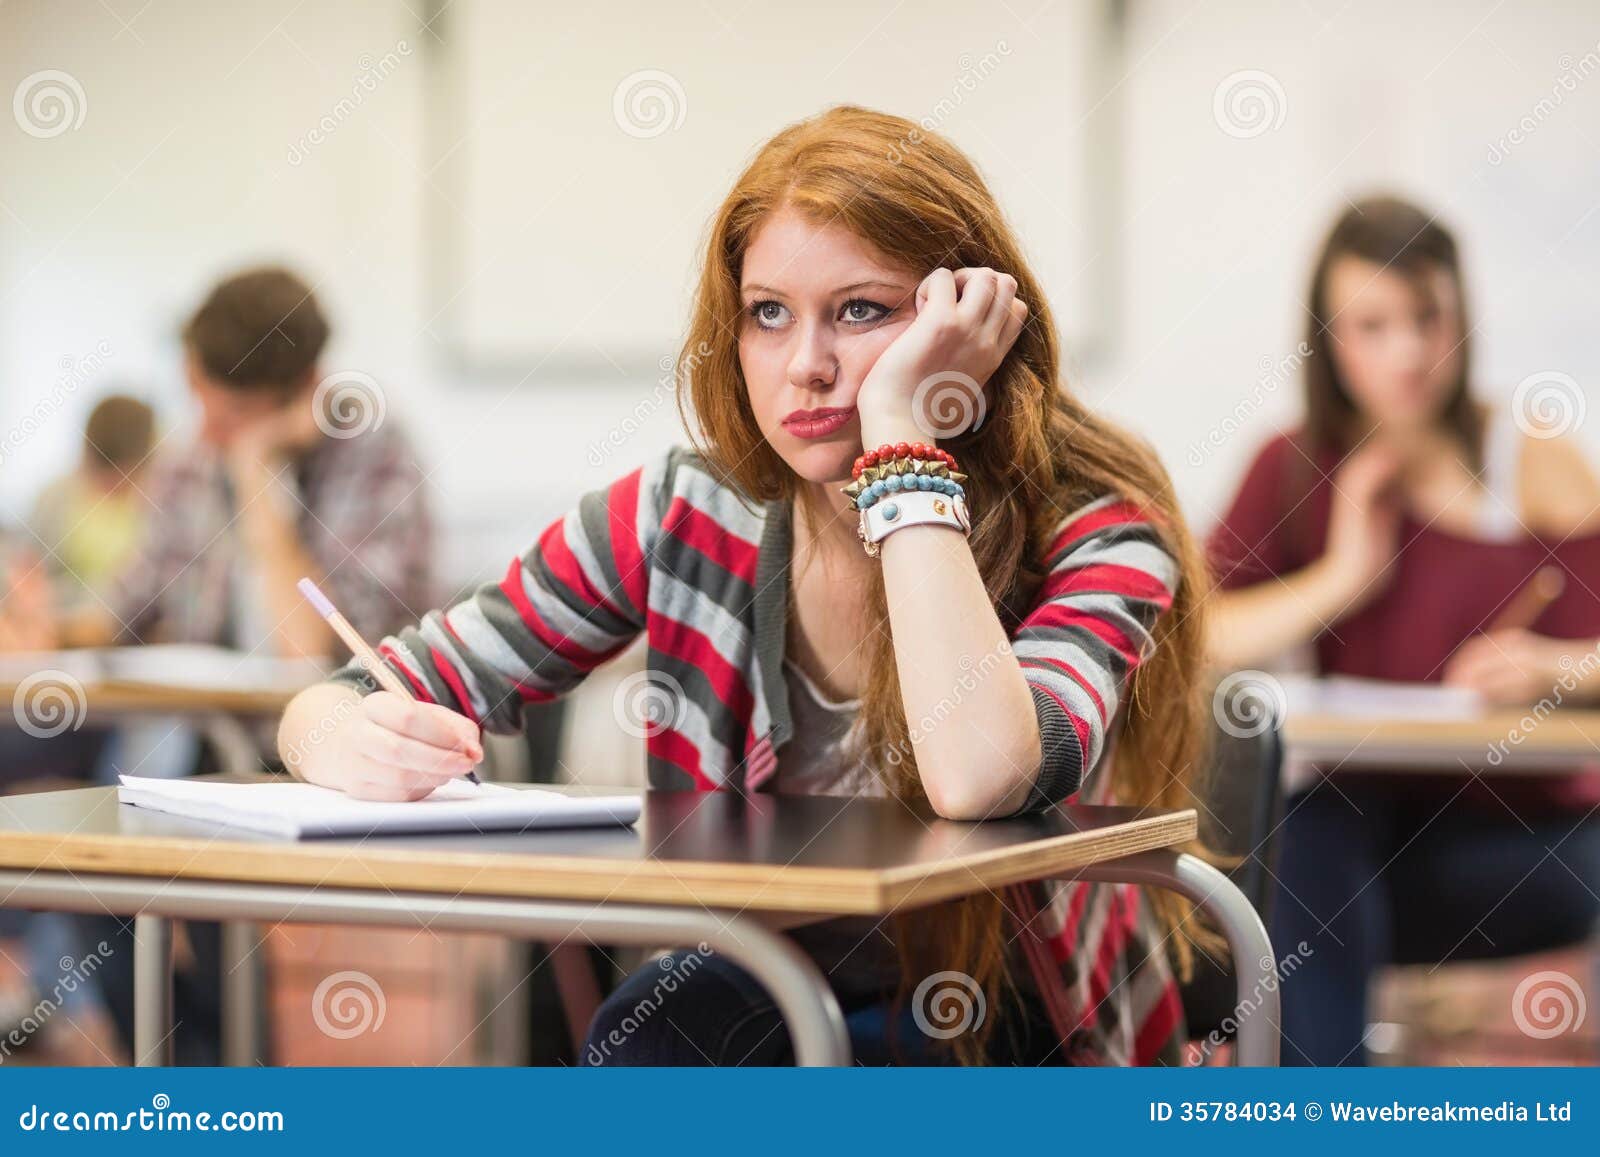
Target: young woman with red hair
x=900 y=559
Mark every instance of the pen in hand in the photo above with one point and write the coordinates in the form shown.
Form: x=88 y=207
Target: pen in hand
x=369 y=659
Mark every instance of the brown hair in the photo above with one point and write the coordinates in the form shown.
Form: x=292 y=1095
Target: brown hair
x=1038 y=455
x=1397 y=235
x=260 y=329
x=119 y=433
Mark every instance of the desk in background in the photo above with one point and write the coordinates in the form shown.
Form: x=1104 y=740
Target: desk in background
x=1371 y=724
x=1563 y=740
x=219 y=691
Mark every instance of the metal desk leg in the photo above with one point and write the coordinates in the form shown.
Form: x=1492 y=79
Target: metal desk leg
x=809 y=1007
x=1255 y=967
x=242 y=985
x=152 y=990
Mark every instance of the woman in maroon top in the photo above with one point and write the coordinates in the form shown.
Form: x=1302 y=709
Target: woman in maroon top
x=1390 y=533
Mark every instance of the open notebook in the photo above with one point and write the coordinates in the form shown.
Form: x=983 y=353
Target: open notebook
x=1347 y=697
x=298 y=810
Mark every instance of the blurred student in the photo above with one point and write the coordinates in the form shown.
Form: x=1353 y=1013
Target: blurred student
x=90 y=521
x=281 y=480
x=82 y=531
x=1394 y=533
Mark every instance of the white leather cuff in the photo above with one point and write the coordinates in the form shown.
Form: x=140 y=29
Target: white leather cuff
x=911 y=508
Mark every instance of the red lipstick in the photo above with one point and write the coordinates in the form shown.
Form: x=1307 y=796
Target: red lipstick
x=818 y=423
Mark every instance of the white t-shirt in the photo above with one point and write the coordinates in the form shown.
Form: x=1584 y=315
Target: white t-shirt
x=822 y=755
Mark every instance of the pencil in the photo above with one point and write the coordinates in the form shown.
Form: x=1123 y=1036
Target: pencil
x=369 y=659
x=1523 y=609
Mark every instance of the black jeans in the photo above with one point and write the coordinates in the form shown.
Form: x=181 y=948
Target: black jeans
x=1371 y=874
x=694 y=1008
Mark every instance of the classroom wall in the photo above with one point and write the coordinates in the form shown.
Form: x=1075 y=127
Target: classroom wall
x=296 y=134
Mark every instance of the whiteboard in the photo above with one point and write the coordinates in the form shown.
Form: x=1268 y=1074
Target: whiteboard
x=580 y=151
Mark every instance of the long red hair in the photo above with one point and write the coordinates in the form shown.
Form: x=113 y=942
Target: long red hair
x=1038 y=455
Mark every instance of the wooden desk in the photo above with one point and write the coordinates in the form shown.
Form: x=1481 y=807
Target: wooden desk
x=1501 y=742
x=709 y=868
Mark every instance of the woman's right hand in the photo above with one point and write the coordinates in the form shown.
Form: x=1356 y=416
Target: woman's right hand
x=1364 y=523
x=381 y=747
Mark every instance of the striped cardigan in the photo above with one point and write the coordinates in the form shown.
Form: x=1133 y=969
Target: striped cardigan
x=670 y=551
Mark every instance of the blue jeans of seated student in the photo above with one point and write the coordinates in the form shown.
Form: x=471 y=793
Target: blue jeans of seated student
x=1370 y=875
x=716 y=1013
x=53 y=943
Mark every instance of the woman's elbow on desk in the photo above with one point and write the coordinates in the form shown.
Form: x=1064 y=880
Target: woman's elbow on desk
x=990 y=783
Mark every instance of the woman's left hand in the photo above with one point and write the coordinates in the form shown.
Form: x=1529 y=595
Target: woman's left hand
x=967 y=321
x=1519 y=667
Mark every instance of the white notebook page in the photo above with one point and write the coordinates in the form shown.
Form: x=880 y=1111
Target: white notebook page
x=298 y=810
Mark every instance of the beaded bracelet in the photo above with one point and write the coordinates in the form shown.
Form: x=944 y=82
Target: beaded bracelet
x=904 y=482
x=891 y=451
x=901 y=467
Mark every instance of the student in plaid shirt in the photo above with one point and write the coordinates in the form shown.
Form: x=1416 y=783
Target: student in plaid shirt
x=285 y=478
x=290 y=473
